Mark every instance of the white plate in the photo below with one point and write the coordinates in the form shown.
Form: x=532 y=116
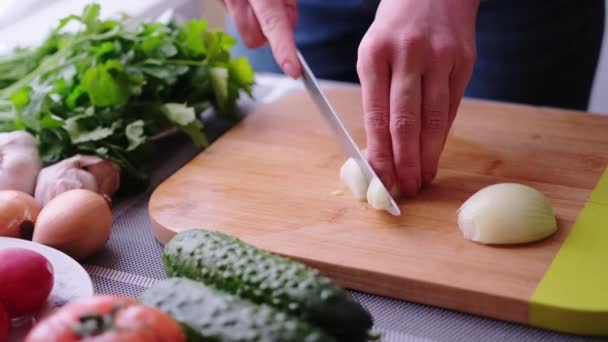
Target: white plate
x=71 y=281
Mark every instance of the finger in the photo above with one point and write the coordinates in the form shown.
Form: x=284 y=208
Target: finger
x=246 y=23
x=405 y=109
x=292 y=13
x=274 y=21
x=459 y=78
x=435 y=119
x=373 y=70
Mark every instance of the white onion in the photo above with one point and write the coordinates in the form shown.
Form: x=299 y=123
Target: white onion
x=377 y=196
x=506 y=213
x=374 y=192
x=352 y=176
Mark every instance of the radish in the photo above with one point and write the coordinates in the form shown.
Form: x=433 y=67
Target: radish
x=5 y=324
x=27 y=281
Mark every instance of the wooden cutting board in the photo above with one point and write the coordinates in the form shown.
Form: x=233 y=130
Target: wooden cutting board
x=271 y=181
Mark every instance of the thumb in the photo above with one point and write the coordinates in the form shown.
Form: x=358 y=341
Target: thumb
x=277 y=28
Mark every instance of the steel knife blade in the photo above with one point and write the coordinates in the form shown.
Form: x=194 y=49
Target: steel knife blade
x=347 y=143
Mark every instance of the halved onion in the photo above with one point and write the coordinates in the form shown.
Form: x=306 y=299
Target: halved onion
x=506 y=213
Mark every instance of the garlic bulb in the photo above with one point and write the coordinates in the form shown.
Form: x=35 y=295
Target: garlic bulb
x=19 y=162
x=506 y=213
x=78 y=172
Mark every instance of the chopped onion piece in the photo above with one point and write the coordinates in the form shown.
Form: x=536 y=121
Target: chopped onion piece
x=377 y=196
x=352 y=176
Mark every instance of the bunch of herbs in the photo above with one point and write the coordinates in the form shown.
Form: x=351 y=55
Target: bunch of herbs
x=108 y=87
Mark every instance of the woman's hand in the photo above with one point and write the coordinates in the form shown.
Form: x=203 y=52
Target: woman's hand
x=414 y=64
x=268 y=21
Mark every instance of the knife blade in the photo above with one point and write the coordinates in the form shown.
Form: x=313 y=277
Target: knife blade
x=347 y=143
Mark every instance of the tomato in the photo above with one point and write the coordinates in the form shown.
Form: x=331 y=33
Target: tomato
x=5 y=324
x=27 y=281
x=108 y=319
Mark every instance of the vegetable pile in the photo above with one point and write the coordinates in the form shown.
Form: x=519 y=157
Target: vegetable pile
x=108 y=88
x=222 y=289
x=80 y=115
x=218 y=288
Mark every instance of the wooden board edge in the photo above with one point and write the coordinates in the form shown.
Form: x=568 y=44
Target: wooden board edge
x=161 y=233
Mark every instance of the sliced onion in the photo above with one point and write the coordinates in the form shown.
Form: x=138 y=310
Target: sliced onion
x=377 y=196
x=374 y=192
x=352 y=176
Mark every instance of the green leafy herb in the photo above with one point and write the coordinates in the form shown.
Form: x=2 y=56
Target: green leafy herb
x=110 y=87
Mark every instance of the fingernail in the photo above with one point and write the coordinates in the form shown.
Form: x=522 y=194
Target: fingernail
x=395 y=192
x=290 y=69
x=427 y=178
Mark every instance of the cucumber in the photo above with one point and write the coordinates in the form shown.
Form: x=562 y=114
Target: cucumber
x=208 y=314
x=233 y=266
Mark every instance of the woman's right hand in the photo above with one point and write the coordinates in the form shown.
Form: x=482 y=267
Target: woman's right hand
x=268 y=21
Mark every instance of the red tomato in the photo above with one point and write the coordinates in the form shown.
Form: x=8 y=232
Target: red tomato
x=108 y=319
x=5 y=324
x=27 y=281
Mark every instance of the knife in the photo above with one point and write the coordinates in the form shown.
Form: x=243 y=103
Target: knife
x=344 y=138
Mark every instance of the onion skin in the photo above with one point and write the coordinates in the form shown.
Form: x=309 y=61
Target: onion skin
x=506 y=213
x=18 y=214
x=77 y=222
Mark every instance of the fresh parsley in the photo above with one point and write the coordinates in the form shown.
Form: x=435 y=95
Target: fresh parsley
x=109 y=87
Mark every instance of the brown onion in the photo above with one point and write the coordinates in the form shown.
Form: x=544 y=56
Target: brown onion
x=18 y=214
x=77 y=222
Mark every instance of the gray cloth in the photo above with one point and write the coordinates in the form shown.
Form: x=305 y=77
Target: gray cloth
x=131 y=262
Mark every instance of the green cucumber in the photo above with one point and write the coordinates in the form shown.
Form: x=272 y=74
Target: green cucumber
x=233 y=266
x=210 y=315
